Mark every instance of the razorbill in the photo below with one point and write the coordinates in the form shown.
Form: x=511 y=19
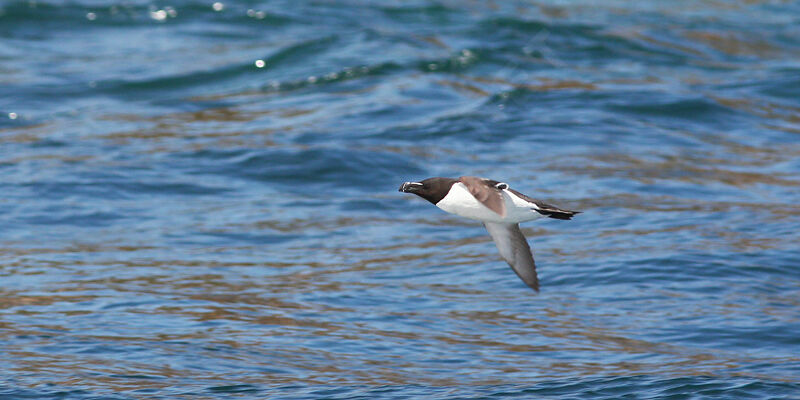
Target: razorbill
x=499 y=207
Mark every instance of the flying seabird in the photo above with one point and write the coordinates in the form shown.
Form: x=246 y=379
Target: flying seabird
x=499 y=207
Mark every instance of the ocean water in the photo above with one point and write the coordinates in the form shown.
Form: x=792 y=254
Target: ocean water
x=199 y=199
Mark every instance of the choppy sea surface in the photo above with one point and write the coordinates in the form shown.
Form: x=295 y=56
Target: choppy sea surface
x=199 y=199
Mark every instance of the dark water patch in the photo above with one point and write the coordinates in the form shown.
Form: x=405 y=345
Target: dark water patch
x=49 y=143
x=783 y=83
x=673 y=110
x=467 y=126
x=511 y=24
x=345 y=169
x=17 y=16
x=79 y=219
x=234 y=389
x=421 y=14
x=173 y=188
x=166 y=84
x=518 y=99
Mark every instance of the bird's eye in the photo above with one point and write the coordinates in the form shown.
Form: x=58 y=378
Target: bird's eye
x=501 y=186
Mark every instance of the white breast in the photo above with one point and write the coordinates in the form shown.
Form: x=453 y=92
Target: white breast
x=461 y=202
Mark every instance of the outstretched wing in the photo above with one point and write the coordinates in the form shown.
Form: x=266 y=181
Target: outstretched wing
x=485 y=191
x=515 y=250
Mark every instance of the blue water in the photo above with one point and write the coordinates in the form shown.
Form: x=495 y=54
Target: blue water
x=200 y=201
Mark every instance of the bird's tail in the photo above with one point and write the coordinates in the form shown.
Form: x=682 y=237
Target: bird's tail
x=555 y=212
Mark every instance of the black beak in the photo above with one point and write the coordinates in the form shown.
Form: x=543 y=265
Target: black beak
x=410 y=187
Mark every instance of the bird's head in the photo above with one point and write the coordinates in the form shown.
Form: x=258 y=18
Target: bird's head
x=431 y=189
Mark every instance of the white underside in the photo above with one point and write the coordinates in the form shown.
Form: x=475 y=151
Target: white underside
x=460 y=201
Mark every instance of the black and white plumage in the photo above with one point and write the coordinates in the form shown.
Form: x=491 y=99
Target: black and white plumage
x=499 y=207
